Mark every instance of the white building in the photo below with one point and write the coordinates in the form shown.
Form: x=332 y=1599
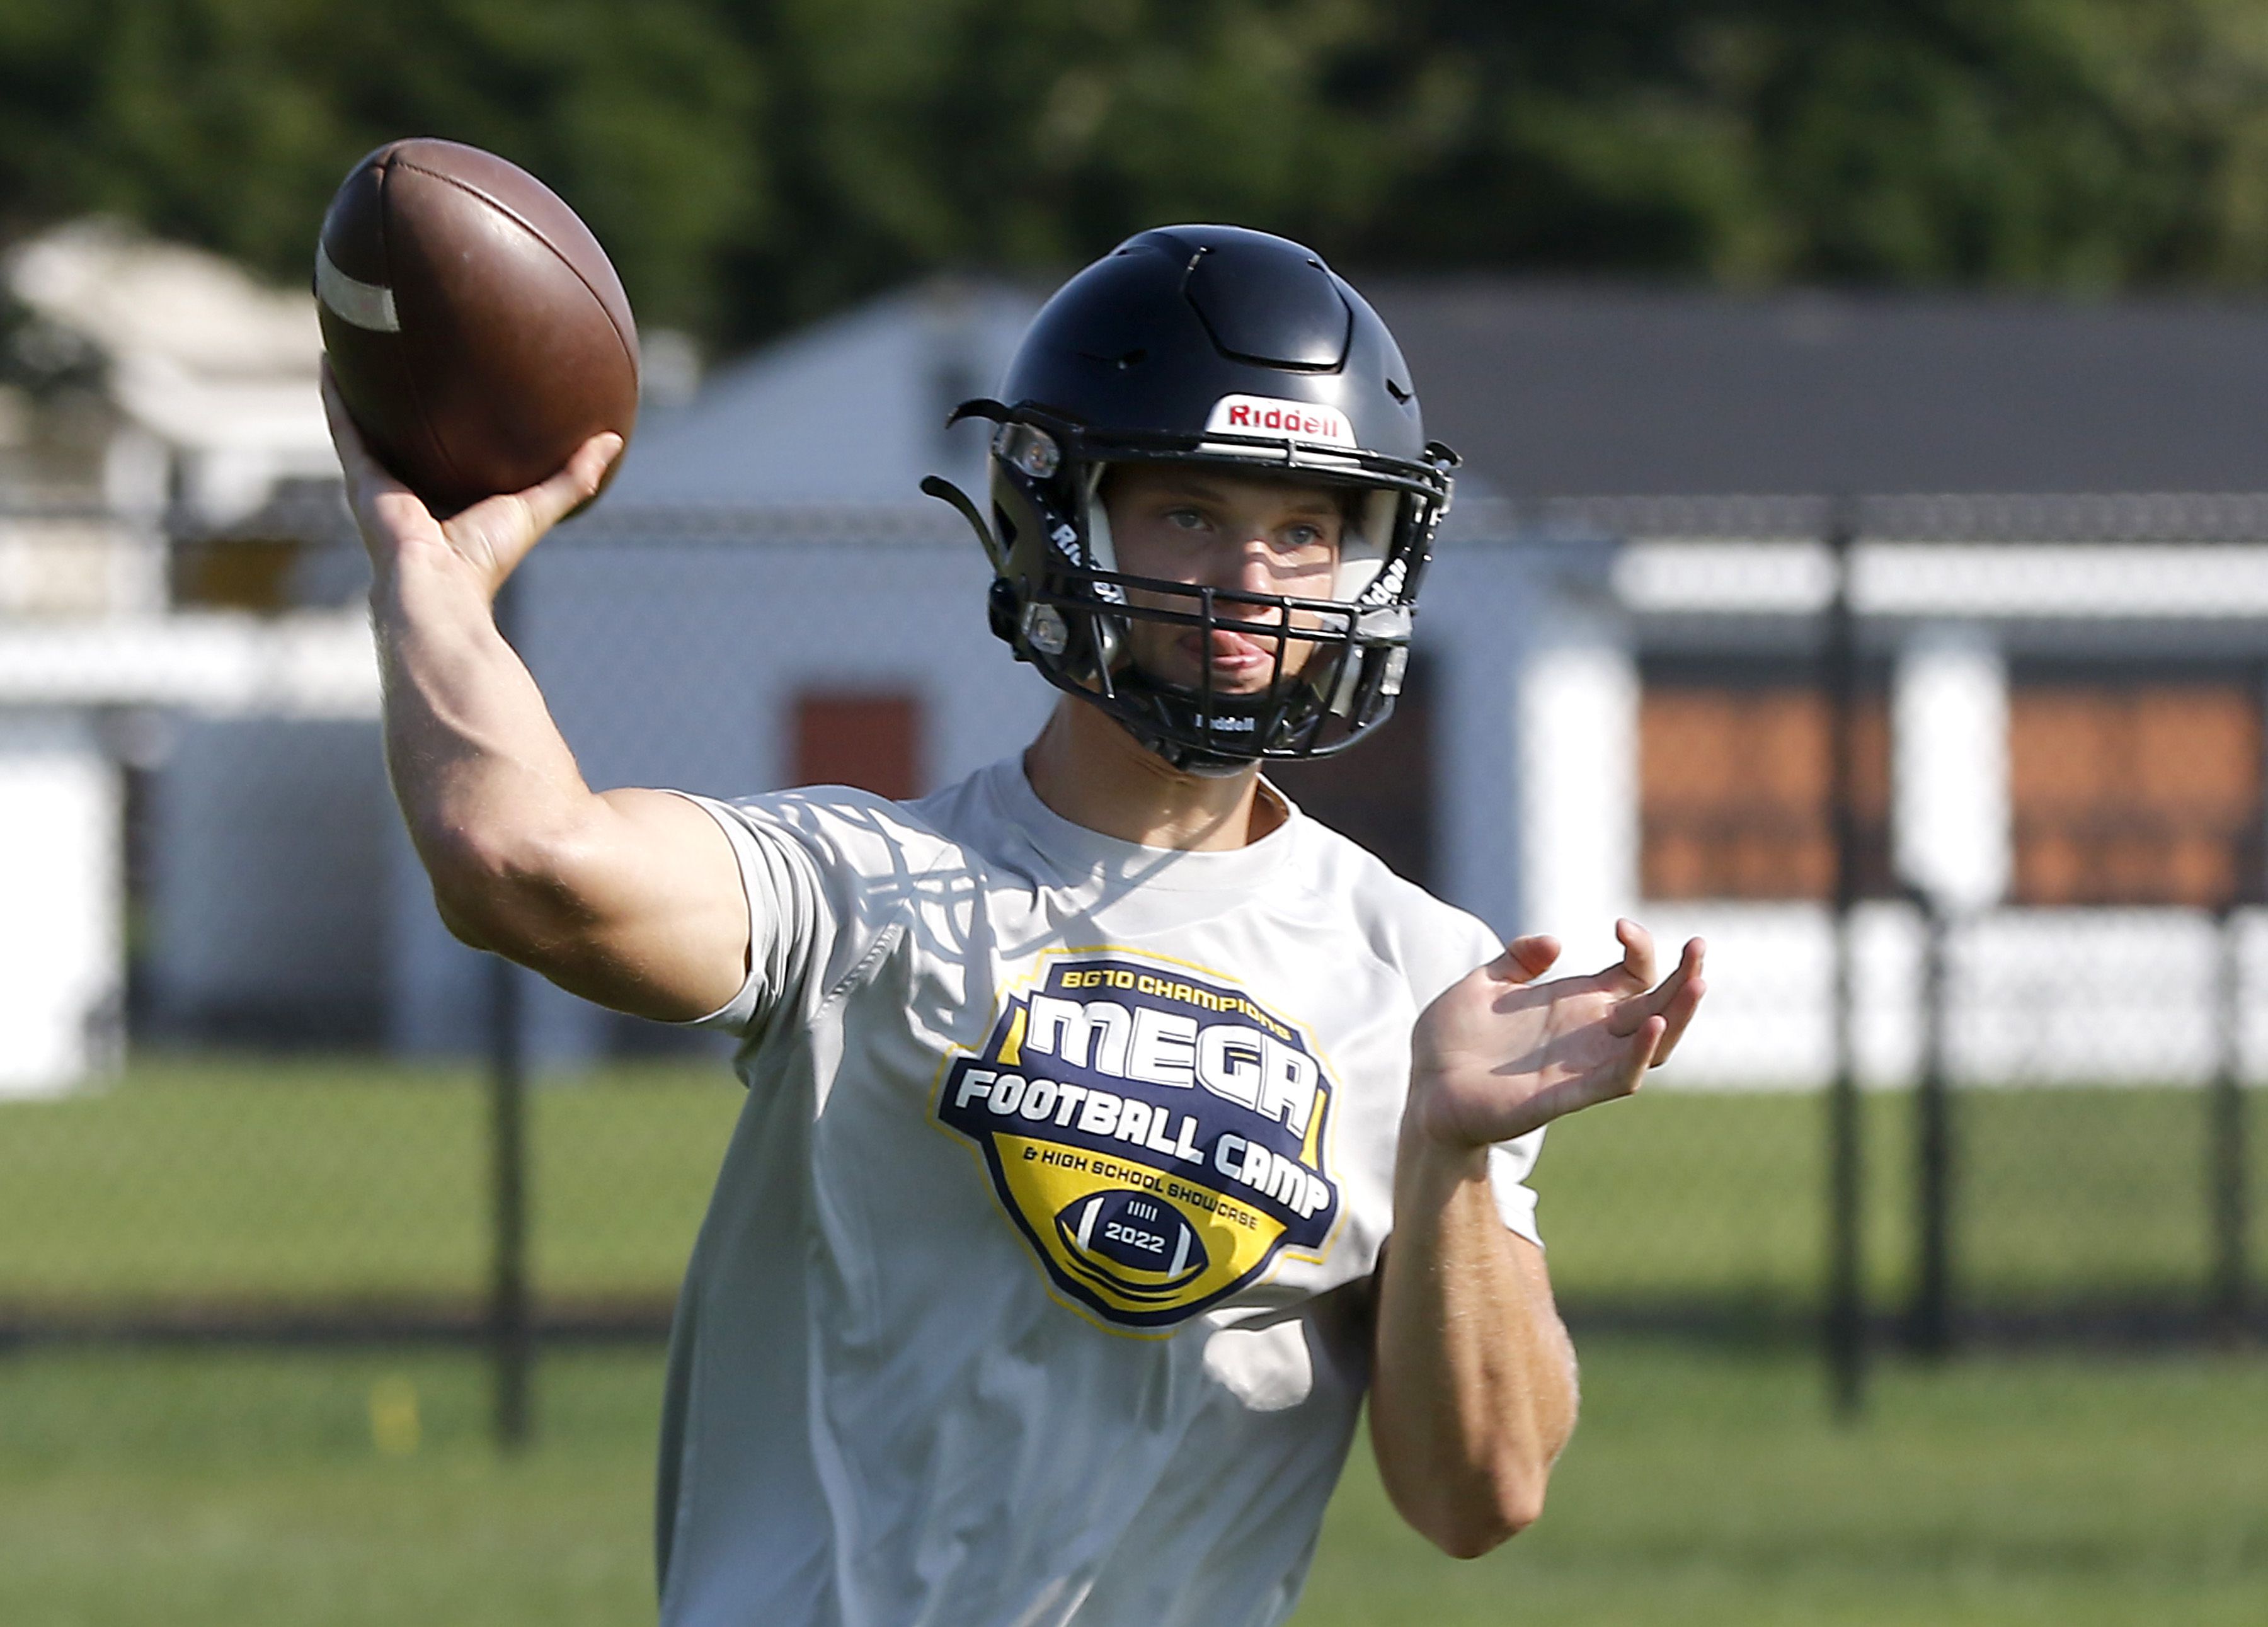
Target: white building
x=2062 y=746
x=200 y=399
x=1558 y=628
x=1617 y=710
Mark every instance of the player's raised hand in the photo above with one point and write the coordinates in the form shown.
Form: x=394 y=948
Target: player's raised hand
x=492 y=536
x=1499 y=1053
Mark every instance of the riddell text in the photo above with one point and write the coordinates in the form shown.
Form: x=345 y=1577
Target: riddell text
x=1311 y=425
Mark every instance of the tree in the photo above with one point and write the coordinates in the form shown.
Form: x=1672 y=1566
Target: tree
x=750 y=164
x=229 y=122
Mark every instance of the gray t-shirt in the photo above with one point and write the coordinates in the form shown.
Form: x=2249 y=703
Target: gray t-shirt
x=1034 y=1288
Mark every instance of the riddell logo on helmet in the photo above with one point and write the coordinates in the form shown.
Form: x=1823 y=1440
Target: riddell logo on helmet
x=1265 y=415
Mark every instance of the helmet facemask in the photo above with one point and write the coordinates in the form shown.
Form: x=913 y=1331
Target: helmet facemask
x=1065 y=604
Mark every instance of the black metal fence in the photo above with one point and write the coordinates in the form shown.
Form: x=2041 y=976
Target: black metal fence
x=2020 y=738
x=1966 y=792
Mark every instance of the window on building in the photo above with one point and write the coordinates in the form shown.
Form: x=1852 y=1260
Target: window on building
x=868 y=738
x=2146 y=792
x=1733 y=784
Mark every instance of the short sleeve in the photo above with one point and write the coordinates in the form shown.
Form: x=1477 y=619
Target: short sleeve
x=790 y=923
x=1509 y=1164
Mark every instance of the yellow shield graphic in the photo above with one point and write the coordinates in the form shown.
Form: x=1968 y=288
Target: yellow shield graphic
x=1155 y=1134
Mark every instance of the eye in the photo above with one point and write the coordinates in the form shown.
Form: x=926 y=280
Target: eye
x=1303 y=539
x=1186 y=518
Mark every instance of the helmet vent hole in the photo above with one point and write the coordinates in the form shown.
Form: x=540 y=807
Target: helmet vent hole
x=1401 y=396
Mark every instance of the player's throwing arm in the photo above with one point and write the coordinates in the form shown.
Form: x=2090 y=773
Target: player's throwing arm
x=434 y=262
x=629 y=899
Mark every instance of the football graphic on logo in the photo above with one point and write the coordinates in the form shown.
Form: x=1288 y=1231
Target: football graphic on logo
x=1141 y=1246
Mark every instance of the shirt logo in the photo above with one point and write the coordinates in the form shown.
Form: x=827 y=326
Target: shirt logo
x=1156 y=1135
x=1267 y=415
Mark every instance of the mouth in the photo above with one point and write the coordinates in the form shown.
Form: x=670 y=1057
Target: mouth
x=1237 y=658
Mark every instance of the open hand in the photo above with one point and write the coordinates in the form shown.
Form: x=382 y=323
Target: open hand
x=1498 y=1053
x=492 y=536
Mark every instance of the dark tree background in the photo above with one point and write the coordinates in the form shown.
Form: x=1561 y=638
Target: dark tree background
x=752 y=163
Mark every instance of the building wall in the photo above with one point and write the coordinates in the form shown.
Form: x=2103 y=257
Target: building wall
x=2039 y=998
x=2142 y=791
x=266 y=905
x=1536 y=757
x=2077 y=824
x=61 y=897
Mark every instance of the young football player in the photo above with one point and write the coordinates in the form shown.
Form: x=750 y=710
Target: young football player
x=1112 y=1127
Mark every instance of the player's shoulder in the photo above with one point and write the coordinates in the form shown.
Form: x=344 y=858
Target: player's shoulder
x=846 y=828
x=1399 y=921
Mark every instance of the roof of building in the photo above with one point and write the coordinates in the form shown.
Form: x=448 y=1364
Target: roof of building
x=200 y=355
x=135 y=295
x=1553 y=390
x=850 y=409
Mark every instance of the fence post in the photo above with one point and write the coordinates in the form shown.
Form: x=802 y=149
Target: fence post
x=1846 y=1321
x=511 y=1344
x=1929 y=1318
x=2228 y=1290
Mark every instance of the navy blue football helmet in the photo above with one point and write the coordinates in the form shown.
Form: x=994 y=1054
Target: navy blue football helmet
x=1221 y=346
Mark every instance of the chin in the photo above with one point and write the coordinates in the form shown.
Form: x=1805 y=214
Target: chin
x=1234 y=689
x=1249 y=685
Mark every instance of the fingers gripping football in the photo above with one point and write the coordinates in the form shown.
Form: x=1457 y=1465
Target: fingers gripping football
x=1500 y=1053
x=500 y=530
x=492 y=536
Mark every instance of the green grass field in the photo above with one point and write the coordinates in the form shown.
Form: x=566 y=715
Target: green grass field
x=238 y=1179
x=241 y=1489
x=221 y=1180
x=251 y=1490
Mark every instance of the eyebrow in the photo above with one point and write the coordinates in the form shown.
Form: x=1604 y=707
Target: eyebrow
x=1303 y=501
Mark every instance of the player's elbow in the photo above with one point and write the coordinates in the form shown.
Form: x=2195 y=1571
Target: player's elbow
x=1467 y=1513
x=1484 y=1519
x=510 y=890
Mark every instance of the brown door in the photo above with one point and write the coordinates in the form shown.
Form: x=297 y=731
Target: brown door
x=2146 y=792
x=869 y=738
x=1733 y=779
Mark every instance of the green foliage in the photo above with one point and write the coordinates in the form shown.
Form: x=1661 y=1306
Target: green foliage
x=751 y=165
x=229 y=122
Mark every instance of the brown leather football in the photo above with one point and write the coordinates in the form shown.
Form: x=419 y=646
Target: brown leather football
x=476 y=330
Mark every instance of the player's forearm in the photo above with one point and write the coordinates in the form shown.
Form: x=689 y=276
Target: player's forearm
x=491 y=792
x=1473 y=1392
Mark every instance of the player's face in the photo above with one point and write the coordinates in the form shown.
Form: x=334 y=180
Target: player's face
x=1201 y=527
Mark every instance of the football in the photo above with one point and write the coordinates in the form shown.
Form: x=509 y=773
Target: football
x=1140 y=1246
x=476 y=329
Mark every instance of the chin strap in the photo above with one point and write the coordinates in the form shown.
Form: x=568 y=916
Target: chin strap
x=944 y=491
x=1187 y=759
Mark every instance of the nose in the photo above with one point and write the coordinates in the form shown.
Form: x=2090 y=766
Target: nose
x=1247 y=566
